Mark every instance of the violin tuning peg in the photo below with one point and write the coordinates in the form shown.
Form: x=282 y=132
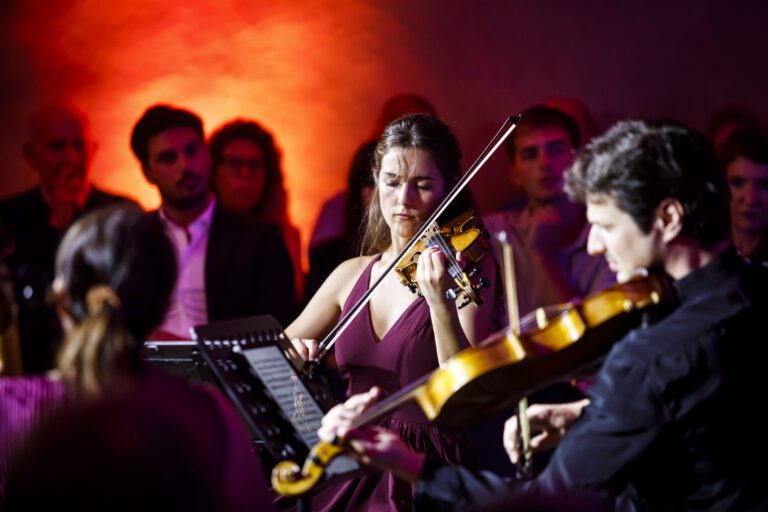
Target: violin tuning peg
x=473 y=272
x=483 y=283
x=452 y=294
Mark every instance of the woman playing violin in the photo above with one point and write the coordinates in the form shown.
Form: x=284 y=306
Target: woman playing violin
x=400 y=336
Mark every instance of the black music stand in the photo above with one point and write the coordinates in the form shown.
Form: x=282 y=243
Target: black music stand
x=179 y=358
x=256 y=366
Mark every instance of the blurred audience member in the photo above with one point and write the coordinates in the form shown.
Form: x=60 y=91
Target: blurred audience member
x=59 y=150
x=248 y=179
x=328 y=254
x=549 y=235
x=549 y=242
x=745 y=157
x=10 y=354
x=115 y=271
x=401 y=105
x=727 y=120
x=229 y=266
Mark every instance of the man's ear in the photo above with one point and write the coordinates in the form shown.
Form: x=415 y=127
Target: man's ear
x=669 y=218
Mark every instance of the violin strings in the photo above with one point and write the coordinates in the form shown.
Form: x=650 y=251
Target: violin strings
x=452 y=263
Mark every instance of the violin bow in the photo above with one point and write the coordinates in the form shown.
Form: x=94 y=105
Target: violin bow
x=523 y=441
x=501 y=135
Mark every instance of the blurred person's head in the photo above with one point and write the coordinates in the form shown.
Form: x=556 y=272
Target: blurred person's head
x=115 y=270
x=745 y=157
x=540 y=149
x=169 y=144
x=727 y=120
x=579 y=112
x=360 y=190
x=247 y=177
x=59 y=150
x=122 y=452
x=401 y=105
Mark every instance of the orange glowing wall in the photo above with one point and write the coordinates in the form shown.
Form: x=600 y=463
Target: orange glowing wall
x=316 y=72
x=287 y=67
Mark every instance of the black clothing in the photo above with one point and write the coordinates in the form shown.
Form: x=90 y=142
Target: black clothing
x=666 y=422
x=248 y=270
x=26 y=216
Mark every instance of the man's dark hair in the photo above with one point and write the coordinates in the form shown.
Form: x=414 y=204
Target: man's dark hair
x=157 y=119
x=751 y=144
x=539 y=117
x=639 y=164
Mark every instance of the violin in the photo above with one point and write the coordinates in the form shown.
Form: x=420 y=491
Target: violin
x=466 y=235
x=555 y=343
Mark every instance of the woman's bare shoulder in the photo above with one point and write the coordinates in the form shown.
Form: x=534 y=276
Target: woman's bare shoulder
x=343 y=278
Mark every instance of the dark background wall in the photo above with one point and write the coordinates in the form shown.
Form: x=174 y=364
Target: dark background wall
x=317 y=71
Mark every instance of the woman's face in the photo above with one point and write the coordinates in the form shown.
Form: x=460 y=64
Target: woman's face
x=240 y=176
x=748 y=184
x=410 y=186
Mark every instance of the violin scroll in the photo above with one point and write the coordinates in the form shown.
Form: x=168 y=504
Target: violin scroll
x=289 y=479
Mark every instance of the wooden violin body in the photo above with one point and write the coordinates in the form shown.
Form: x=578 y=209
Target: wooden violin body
x=464 y=234
x=555 y=343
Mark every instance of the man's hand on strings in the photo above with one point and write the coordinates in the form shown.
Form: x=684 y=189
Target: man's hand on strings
x=338 y=421
x=373 y=446
x=384 y=450
x=549 y=423
x=308 y=349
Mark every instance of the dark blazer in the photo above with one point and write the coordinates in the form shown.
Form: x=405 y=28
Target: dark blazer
x=248 y=270
x=35 y=241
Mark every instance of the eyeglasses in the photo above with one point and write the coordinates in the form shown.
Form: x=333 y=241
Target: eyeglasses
x=243 y=167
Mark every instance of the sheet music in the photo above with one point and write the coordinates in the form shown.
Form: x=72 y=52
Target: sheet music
x=290 y=393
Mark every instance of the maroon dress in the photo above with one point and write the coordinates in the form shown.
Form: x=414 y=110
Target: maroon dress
x=405 y=353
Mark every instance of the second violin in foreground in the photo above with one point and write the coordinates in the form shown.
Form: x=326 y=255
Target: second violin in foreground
x=554 y=343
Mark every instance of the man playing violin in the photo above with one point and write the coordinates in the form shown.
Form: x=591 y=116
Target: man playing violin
x=657 y=429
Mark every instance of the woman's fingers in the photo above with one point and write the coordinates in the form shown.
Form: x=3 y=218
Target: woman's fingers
x=431 y=272
x=307 y=349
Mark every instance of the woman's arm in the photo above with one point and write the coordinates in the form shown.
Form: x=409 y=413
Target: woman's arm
x=324 y=309
x=455 y=329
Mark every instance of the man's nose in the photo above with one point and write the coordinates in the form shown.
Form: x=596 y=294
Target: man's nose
x=183 y=162
x=544 y=159
x=595 y=243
